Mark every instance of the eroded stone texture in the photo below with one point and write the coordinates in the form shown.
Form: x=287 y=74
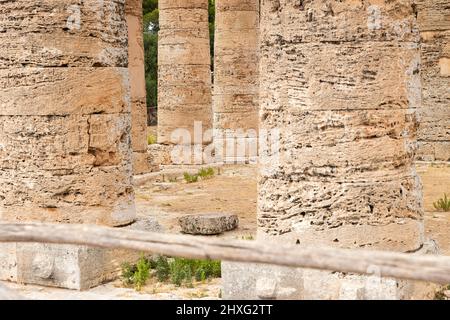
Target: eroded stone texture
x=209 y=224
x=341 y=82
x=184 y=94
x=65 y=113
x=434 y=131
x=136 y=69
x=67 y=266
x=236 y=77
x=58 y=33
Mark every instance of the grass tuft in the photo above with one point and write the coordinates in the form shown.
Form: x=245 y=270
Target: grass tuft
x=443 y=204
x=204 y=173
x=178 y=271
x=190 y=178
x=151 y=139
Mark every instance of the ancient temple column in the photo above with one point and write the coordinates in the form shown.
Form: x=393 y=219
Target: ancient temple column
x=434 y=130
x=65 y=152
x=340 y=81
x=184 y=72
x=65 y=113
x=133 y=9
x=236 y=79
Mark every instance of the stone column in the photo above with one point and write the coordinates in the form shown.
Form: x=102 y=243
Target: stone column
x=184 y=71
x=236 y=79
x=65 y=152
x=136 y=69
x=341 y=83
x=65 y=113
x=434 y=131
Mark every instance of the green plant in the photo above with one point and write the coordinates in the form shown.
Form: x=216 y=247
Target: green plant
x=190 y=178
x=206 y=173
x=443 y=204
x=162 y=268
x=151 y=139
x=181 y=271
x=136 y=275
x=128 y=271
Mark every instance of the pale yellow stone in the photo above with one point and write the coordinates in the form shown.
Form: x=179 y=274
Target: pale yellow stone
x=184 y=93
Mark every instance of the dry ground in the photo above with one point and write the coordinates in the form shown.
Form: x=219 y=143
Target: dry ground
x=234 y=191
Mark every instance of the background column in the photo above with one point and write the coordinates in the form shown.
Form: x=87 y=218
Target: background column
x=434 y=131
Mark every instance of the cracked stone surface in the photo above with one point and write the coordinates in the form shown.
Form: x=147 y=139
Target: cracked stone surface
x=345 y=173
x=236 y=74
x=133 y=10
x=208 y=224
x=65 y=113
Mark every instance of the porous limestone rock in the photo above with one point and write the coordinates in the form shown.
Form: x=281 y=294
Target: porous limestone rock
x=184 y=70
x=65 y=113
x=236 y=85
x=133 y=10
x=434 y=130
x=67 y=266
x=343 y=174
x=208 y=224
x=65 y=150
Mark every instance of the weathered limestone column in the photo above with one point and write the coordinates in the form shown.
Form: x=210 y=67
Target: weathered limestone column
x=65 y=152
x=434 y=130
x=184 y=71
x=136 y=69
x=341 y=83
x=236 y=79
x=65 y=113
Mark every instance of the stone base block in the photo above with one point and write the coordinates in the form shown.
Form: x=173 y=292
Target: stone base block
x=159 y=155
x=242 y=281
x=66 y=266
x=141 y=163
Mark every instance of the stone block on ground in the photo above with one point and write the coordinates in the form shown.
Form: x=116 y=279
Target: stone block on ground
x=209 y=224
